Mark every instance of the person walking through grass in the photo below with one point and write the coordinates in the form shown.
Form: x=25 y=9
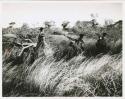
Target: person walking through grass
x=102 y=44
x=79 y=43
x=40 y=43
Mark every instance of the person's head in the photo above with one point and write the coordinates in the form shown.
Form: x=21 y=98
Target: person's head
x=104 y=34
x=71 y=43
x=81 y=35
x=41 y=29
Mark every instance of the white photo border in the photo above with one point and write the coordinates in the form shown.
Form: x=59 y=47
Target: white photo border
x=123 y=51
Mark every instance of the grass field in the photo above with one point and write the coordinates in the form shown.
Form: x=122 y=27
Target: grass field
x=96 y=76
x=79 y=75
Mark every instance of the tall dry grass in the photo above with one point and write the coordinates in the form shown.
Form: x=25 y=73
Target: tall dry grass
x=68 y=73
x=100 y=76
x=80 y=76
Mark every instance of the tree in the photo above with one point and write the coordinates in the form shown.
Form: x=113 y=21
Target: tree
x=94 y=20
x=25 y=26
x=49 y=24
x=108 y=22
x=24 y=30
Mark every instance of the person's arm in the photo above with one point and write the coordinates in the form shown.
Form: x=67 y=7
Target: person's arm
x=82 y=41
x=71 y=38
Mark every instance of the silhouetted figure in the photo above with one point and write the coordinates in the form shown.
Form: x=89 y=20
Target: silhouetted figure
x=101 y=44
x=80 y=41
x=74 y=48
x=77 y=44
x=40 y=44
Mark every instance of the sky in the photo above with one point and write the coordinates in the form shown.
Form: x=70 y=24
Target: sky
x=35 y=13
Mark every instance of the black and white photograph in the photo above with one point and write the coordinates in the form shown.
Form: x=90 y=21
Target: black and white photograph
x=62 y=49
